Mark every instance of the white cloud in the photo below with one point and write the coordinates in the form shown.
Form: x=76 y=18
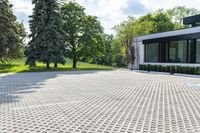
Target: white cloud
x=110 y=12
x=22 y=6
x=167 y=4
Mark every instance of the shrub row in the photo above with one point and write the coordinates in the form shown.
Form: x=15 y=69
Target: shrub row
x=171 y=69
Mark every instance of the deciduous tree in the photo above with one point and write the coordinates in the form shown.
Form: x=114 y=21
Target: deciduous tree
x=177 y=14
x=83 y=33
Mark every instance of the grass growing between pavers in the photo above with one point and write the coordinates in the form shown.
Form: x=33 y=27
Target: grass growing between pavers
x=16 y=66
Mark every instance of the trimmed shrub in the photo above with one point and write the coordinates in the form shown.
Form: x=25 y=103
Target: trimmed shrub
x=148 y=68
x=168 y=69
x=187 y=70
x=172 y=69
x=197 y=71
x=159 y=68
x=145 y=67
x=192 y=70
x=163 y=68
x=179 y=69
x=141 y=67
x=184 y=70
x=154 y=68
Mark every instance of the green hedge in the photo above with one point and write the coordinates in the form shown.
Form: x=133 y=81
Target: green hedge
x=170 y=69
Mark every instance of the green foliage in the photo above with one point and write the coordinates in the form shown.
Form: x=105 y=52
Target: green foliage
x=141 y=67
x=12 y=33
x=152 y=23
x=163 y=69
x=106 y=57
x=83 y=33
x=159 y=21
x=148 y=67
x=197 y=71
x=171 y=69
x=46 y=36
x=177 y=14
x=154 y=68
x=114 y=64
x=159 y=68
x=125 y=34
x=117 y=53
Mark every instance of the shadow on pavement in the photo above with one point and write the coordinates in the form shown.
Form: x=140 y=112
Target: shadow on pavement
x=13 y=85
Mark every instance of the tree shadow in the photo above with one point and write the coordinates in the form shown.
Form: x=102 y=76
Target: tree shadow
x=64 y=69
x=4 y=68
x=13 y=86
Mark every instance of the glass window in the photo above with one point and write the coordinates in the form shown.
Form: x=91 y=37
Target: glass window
x=152 y=52
x=197 y=24
x=198 y=51
x=178 y=51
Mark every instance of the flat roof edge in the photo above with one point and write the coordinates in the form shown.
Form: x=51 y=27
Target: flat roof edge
x=167 y=34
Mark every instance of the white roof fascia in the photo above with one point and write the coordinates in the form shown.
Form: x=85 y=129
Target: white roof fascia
x=168 y=34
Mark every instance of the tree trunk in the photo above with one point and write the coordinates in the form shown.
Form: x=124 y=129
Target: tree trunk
x=47 y=65
x=74 y=62
x=74 y=56
x=55 y=65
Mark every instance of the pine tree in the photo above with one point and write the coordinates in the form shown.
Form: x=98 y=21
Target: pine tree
x=12 y=33
x=46 y=36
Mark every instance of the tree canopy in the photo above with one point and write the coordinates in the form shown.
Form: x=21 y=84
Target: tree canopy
x=159 y=21
x=12 y=33
x=46 y=36
x=177 y=14
x=65 y=30
x=83 y=33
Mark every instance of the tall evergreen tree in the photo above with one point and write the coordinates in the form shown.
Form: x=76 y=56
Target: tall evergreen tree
x=12 y=33
x=46 y=43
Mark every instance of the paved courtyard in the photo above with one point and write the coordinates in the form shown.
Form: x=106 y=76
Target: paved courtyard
x=102 y=102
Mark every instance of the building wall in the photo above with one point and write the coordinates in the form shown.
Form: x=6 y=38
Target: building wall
x=140 y=53
x=139 y=46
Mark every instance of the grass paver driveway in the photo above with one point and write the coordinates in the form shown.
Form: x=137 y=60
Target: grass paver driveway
x=99 y=101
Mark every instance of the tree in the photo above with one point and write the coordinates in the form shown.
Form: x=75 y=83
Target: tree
x=177 y=14
x=147 y=24
x=83 y=33
x=118 y=53
x=155 y=22
x=12 y=33
x=125 y=36
x=46 y=43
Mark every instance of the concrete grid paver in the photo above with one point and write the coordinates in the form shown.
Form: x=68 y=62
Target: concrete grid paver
x=102 y=102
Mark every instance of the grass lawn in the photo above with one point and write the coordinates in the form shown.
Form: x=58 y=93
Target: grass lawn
x=19 y=66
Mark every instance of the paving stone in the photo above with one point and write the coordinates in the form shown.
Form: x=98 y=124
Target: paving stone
x=99 y=101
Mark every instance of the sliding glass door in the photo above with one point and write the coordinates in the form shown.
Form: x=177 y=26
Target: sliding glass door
x=183 y=51
x=178 y=51
x=198 y=51
x=152 y=52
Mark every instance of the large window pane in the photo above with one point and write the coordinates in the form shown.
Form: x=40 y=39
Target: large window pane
x=198 y=51
x=152 y=52
x=178 y=52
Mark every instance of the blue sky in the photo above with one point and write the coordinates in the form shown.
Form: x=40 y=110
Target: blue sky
x=110 y=12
